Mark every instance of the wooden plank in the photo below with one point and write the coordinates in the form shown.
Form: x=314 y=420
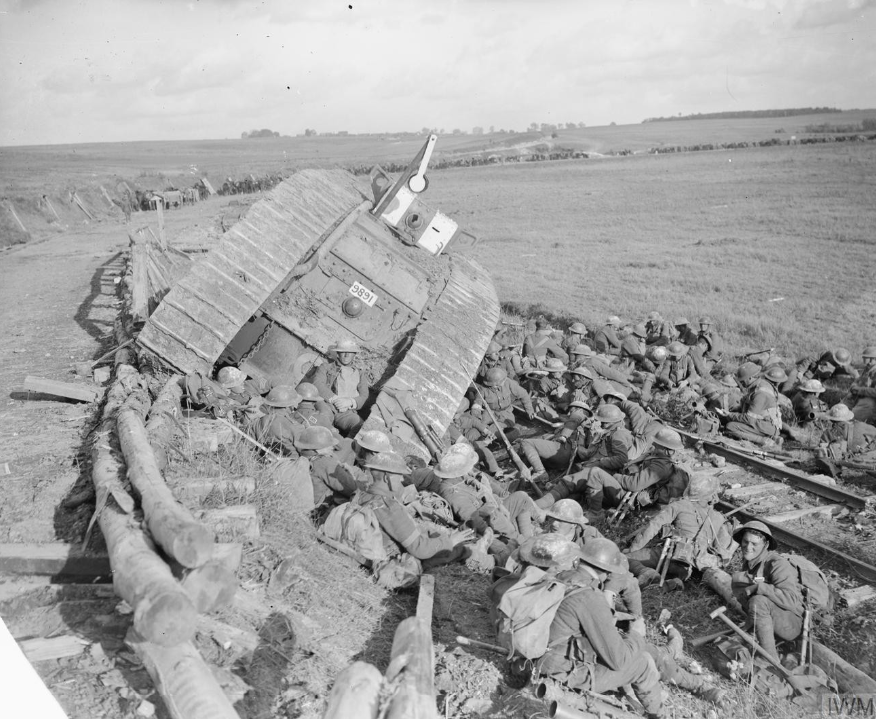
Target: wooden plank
x=40 y=649
x=826 y=509
x=80 y=392
x=426 y=598
x=139 y=281
x=57 y=559
x=753 y=489
x=20 y=223
x=857 y=595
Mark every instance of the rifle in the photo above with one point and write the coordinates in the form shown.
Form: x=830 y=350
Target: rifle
x=552 y=425
x=524 y=470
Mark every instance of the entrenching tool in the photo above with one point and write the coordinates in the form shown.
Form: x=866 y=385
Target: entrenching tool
x=466 y=642
x=524 y=470
x=665 y=559
x=617 y=516
x=800 y=683
x=807 y=628
x=702 y=641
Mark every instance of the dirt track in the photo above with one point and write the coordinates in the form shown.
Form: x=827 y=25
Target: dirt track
x=59 y=302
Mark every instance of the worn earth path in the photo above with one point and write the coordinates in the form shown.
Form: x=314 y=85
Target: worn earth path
x=59 y=304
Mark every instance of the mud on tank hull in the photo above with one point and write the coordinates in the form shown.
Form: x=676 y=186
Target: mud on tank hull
x=310 y=264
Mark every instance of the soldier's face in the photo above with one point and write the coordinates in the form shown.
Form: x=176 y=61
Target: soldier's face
x=869 y=361
x=752 y=545
x=346 y=358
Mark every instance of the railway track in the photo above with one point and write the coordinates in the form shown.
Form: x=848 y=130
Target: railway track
x=803 y=512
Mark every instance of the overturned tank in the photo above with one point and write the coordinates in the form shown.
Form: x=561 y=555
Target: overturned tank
x=319 y=260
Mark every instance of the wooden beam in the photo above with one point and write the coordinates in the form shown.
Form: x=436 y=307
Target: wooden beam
x=183 y=679
x=162 y=237
x=355 y=694
x=57 y=560
x=412 y=668
x=20 y=223
x=82 y=393
x=849 y=679
x=40 y=649
x=175 y=530
x=826 y=509
x=426 y=598
x=858 y=595
x=752 y=490
x=139 y=281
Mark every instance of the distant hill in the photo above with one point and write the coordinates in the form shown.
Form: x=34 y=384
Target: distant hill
x=745 y=114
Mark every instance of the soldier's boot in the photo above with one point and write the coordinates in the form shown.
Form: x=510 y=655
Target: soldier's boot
x=533 y=458
x=561 y=490
x=647 y=385
x=644 y=575
x=720 y=583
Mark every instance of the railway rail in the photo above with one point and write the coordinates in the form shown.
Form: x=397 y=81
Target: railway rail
x=857 y=567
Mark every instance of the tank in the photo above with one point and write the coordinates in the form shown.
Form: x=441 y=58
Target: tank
x=323 y=257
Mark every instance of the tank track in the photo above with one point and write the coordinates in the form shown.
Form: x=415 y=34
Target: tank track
x=204 y=310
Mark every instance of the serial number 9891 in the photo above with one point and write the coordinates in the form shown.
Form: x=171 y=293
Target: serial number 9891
x=363 y=293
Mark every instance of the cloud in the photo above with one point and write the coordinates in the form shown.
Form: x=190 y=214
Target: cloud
x=832 y=13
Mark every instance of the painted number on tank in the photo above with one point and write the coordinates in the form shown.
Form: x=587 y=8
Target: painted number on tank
x=363 y=293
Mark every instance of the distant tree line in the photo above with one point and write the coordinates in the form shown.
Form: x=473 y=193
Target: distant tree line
x=868 y=124
x=258 y=133
x=742 y=114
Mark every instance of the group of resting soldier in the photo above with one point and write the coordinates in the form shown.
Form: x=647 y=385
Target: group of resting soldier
x=606 y=449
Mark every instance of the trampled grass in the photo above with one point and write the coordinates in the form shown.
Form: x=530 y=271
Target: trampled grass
x=777 y=244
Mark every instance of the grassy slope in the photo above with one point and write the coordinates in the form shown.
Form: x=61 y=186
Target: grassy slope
x=721 y=233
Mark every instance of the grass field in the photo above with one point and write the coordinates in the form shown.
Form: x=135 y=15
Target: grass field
x=777 y=244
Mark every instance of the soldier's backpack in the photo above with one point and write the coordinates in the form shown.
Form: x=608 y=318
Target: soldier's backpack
x=357 y=527
x=526 y=611
x=811 y=578
x=293 y=475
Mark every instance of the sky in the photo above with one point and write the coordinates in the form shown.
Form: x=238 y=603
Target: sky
x=74 y=71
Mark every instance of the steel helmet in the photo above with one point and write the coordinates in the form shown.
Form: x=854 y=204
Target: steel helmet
x=583 y=350
x=375 y=440
x=811 y=385
x=702 y=487
x=640 y=331
x=841 y=355
x=230 y=377
x=308 y=392
x=603 y=554
x=567 y=510
x=657 y=354
x=747 y=371
x=282 y=396
x=455 y=464
x=676 y=349
x=581 y=404
x=315 y=437
x=728 y=380
x=681 y=322
x=775 y=374
x=706 y=320
x=345 y=345
x=464 y=404
x=387 y=462
x=840 y=413
x=869 y=351
x=755 y=526
x=710 y=391
x=614 y=321
x=668 y=438
x=578 y=328
x=552 y=364
x=493 y=348
x=654 y=317
x=583 y=372
x=610 y=391
x=549 y=550
x=495 y=376
x=609 y=414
